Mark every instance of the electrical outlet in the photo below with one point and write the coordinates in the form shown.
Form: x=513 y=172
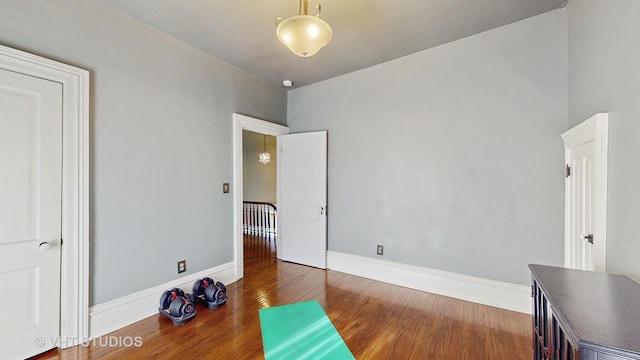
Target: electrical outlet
x=182 y=266
x=380 y=250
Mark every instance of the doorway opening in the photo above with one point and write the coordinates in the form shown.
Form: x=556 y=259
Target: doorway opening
x=259 y=189
x=242 y=123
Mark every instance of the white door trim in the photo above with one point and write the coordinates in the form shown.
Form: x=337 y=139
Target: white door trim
x=596 y=129
x=240 y=123
x=74 y=302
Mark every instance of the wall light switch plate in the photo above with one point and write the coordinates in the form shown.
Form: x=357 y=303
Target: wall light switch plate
x=225 y=188
x=182 y=266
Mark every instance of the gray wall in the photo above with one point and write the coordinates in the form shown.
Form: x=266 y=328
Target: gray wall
x=161 y=133
x=604 y=76
x=259 y=181
x=451 y=158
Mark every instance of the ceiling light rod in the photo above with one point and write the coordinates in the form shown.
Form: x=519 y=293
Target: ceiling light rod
x=264 y=157
x=304 y=5
x=304 y=34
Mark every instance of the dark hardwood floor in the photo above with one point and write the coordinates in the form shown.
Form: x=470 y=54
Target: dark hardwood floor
x=376 y=320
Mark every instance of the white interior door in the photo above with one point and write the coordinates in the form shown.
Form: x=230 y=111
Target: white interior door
x=30 y=213
x=302 y=198
x=580 y=181
x=586 y=194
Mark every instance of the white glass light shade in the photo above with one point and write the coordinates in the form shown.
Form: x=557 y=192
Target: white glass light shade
x=304 y=35
x=264 y=158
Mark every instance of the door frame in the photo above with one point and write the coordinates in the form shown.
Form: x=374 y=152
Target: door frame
x=595 y=129
x=240 y=123
x=74 y=281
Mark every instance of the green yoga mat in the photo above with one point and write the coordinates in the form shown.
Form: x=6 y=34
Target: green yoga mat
x=300 y=331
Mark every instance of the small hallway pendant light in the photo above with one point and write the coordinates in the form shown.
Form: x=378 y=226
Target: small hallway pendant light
x=264 y=157
x=304 y=34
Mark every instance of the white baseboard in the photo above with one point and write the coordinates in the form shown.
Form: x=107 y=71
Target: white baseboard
x=118 y=313
x=479 y=290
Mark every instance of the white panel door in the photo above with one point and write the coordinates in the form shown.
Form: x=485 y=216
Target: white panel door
x=586 y=149
x=30 y=213
x=581 y=252
x=302 y=200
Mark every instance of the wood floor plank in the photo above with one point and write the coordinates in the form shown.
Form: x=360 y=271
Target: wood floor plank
x=376 y=320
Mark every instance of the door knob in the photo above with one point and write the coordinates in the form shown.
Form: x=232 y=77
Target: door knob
x=44 y=246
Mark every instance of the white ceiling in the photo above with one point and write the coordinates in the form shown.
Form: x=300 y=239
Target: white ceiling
x=365 y=33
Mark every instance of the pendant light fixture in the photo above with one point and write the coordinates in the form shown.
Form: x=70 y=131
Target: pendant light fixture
x=304 y=34
x=264 y=157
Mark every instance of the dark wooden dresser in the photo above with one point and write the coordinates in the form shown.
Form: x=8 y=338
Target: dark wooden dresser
x=583 y=315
